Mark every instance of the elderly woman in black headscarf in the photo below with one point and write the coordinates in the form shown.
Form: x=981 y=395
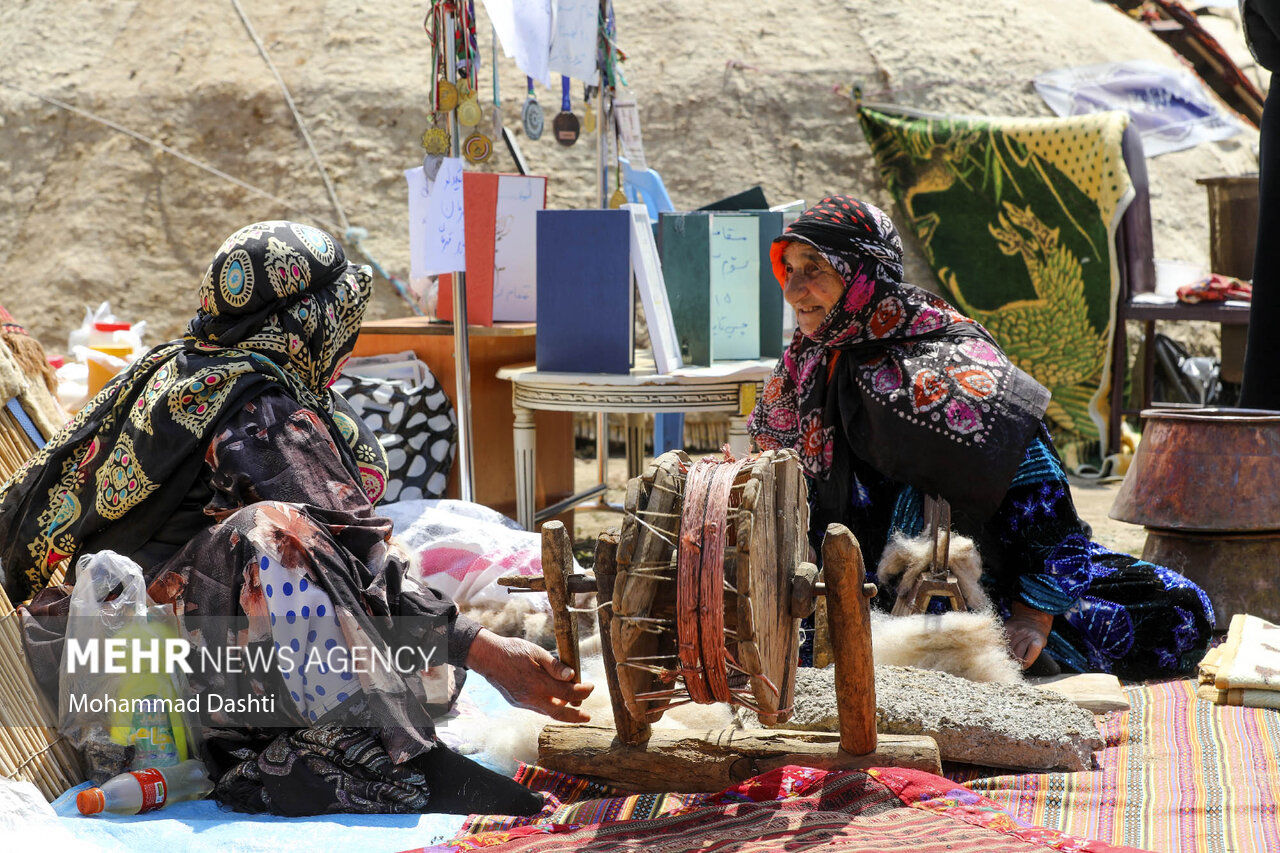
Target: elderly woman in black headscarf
x=890 y=396
x=226 y=468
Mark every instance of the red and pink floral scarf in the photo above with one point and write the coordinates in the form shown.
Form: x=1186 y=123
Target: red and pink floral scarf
x=920 y=391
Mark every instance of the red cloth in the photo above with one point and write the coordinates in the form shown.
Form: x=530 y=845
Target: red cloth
x=1215 y=288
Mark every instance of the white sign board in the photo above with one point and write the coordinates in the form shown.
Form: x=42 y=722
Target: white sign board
x=653 y=291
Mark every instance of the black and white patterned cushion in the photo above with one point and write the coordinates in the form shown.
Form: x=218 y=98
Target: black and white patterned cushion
x=416 y=426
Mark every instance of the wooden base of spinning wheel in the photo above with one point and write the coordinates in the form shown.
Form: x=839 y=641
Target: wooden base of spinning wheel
x=633 y=756
x=692 y=762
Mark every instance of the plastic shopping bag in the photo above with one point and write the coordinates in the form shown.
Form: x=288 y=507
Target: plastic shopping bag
x=122 y=697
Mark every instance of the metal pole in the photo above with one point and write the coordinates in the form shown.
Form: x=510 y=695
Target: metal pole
x=461 y=345
x=602 y=184
x=602 y=150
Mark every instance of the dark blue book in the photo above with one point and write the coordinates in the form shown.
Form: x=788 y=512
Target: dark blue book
x=585 y=308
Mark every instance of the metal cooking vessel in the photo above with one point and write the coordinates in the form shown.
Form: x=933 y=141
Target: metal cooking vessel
x=1206 y=470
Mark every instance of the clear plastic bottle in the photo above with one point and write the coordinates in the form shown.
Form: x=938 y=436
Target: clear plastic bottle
x=141 y=791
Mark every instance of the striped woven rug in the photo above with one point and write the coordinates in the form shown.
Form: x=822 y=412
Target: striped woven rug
x=1178 y=775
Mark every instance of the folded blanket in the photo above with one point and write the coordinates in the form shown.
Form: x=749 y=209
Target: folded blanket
x=1245 y=670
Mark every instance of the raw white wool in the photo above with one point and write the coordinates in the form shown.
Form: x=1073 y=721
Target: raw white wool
x=514 y=736
x=909 y=557
x=968 y=645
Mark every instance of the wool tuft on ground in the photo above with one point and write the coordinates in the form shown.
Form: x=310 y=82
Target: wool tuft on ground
x=968 y=645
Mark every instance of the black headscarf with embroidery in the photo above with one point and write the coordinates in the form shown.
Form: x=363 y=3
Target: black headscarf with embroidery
x=280 y=307
x=919 y=392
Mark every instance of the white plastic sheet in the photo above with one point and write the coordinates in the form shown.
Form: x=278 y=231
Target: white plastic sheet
x=524 y=28
x=1171 y=108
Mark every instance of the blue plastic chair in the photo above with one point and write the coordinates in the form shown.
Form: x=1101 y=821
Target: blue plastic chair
x=646 y=187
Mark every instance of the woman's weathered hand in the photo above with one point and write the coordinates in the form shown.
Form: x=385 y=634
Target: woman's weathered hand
x=1027 y=630
x=528 y=676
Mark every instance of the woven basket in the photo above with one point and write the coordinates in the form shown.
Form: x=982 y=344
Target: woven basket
x=31 y=749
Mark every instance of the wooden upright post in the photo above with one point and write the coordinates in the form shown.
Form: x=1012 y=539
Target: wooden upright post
x=849 y=615
x=557 y=565
x=630 y=730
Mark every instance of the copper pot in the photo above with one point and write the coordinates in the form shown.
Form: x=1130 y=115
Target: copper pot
x=1205 y=470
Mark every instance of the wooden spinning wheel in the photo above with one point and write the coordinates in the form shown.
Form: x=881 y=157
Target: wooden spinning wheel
x=700 y=596
x=701 y=603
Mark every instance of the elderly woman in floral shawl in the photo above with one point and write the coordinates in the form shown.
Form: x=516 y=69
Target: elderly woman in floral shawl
x=226 y=468
x=891 y=395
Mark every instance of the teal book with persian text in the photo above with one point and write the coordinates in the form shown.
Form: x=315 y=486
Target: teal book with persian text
x=725 y=300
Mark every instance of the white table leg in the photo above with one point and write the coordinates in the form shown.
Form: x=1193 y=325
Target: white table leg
x=602 y=454
x=525 y=436
x=739 y=438
x=635 y=444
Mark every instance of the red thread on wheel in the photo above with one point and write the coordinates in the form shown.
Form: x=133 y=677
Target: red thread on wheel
x=711 y=611
x=688 y=588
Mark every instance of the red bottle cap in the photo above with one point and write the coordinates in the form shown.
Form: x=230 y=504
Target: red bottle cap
x=90 y=801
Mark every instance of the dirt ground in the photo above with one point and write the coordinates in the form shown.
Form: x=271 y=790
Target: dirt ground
x=730 y=96
x=1093 y=502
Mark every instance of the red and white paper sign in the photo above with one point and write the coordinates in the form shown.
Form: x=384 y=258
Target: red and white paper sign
x=500 y=213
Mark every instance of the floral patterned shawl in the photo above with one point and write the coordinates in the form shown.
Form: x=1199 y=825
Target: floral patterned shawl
x=918 y=391
x=279 y=307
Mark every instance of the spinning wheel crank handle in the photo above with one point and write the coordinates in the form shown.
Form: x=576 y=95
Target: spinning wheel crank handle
x=557 y=570
x=805 y=589
x=578 y=584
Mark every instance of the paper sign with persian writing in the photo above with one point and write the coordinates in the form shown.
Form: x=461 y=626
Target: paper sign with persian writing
x=419 y=194
x=735 y=287
x=626 y=113
x=515 y=248
x=440 y=225
x=573 y=39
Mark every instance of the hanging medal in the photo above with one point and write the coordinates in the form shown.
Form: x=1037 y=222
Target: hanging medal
x=477 y=148
x=431 y=166
x=469 y=113
x=619 y=198
x=435 y=139
x=588 y=111
x=565 y=124
x=532 y=115
x=446 y=95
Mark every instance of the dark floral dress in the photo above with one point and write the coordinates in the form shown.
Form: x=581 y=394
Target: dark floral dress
x=296 y=562
x=277 y=548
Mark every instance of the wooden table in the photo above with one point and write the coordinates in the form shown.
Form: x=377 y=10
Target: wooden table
x=730 y=387
x=491 y=347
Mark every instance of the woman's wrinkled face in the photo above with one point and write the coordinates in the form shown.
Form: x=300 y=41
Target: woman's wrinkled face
x=811 y=285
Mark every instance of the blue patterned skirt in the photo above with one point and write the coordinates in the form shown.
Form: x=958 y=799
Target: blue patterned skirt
x=1113 y=612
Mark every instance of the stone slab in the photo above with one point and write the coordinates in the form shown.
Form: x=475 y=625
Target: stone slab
x=1014 y=726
